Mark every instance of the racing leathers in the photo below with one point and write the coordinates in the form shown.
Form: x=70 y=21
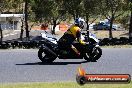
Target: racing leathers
x=73 y=33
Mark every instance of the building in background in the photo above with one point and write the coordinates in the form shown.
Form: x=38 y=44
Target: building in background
x=11 y=21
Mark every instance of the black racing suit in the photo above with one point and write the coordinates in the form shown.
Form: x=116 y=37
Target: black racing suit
x=65 y=42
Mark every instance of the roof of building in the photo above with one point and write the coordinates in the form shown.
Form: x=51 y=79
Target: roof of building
x=11 y=15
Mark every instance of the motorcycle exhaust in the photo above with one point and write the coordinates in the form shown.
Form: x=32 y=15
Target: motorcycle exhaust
x=48 y=51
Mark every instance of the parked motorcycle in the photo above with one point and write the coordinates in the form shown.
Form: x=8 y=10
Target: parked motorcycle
x=49 y=50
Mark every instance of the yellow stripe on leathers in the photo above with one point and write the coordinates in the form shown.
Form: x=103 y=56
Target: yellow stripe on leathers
x=73 y=30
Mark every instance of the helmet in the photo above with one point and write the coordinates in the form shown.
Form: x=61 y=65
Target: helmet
x=79 y=22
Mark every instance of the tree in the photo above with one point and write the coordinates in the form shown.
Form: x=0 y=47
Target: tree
x=26 y=19
x=1 y=34
x=3 y=5
x=47 y=10
x=10 y=5
x=112 y=9
x=74 y=7
x=43 y=10
x=90 y=11
x=14 y=6
x=130 y=26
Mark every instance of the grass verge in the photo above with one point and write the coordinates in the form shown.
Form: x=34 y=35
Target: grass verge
x=63 y=85
x=117 y=46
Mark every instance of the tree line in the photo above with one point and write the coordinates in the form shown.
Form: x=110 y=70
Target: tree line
x=52 y=11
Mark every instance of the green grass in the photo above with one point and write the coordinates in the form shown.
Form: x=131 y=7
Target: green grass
x=117 y=46
x=63 y=85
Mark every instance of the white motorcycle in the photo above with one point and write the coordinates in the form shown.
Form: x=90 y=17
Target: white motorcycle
x=49 y=51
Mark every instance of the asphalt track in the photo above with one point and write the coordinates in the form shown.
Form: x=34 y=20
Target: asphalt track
x=20 y=65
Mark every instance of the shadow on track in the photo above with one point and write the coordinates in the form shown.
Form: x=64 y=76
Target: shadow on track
x=54 y=63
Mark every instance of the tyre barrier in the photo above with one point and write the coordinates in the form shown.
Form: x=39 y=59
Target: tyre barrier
x=4 y=45
x=115 y=41
x=35 y=44
x=124 y=40
x=14 y=44
x=104 y=41
x=130 y=41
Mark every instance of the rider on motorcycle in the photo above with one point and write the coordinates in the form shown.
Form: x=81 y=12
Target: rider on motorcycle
x=74 y=32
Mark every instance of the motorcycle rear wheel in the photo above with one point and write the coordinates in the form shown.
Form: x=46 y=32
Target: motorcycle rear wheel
x=45 y=58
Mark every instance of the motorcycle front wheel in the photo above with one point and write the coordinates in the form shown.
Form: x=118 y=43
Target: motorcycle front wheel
x=94 y=55
x=45 y=58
